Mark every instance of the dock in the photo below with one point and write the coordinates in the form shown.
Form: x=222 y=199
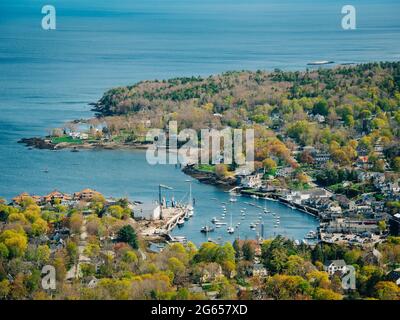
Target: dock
x=158 y=230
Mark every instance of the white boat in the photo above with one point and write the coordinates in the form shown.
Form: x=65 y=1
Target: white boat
x=231 y=229
x=206 y=229
x=311 y=235
x=180 y=222
x=232 y=200
x=254 y=196
x=214 y=220
x=220 y=224
x=190 y=204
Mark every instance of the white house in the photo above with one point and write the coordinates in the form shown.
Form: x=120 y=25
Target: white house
x=333 y=266
x=147 y=211
x=252 y=181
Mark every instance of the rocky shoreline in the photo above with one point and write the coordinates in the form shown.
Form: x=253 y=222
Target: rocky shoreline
x=210 y=178
x=42 y=143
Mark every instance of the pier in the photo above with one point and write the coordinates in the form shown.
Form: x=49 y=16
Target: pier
x=158 y=230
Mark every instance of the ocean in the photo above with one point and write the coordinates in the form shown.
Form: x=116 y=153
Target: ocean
x=49 y=77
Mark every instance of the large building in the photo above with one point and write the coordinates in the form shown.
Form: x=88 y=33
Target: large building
x=147 y=211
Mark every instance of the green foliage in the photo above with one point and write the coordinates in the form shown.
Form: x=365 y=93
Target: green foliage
x=128 y=235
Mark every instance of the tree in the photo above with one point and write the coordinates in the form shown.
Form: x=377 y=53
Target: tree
x=396 y=164
x=321 y=107
x=39 y=227
x=248 y=251
x=128 y=235
x=284 y=287
x=116 y=211
x=386 y=290
x=76 y=222
x=16 y=242
x=326 y=294
x=269 y=165
x=4 y=289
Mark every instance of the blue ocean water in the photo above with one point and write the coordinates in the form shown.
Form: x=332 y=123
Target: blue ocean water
x=49 y=77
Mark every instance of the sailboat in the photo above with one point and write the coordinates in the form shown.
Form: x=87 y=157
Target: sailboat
x=190 y=204
x=265 y=206
x=231 y=229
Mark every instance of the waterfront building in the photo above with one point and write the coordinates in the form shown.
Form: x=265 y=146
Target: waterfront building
x=147 y=211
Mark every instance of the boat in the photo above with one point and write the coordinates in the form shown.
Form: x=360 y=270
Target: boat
x=214 y=220
x=180 y=222
x=220 y=224
x=243 y=218
x=254 y=196
x=190 y=214
x=265 y=206
x=186 y=217
x=180 y=239
x=232 y=199
x=206 y=229
x=74 y=150
x=231 y=229
x=320 y=63
x=311 y=235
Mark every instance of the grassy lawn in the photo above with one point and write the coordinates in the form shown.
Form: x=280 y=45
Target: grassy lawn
x=67 y=139
x=205 y=167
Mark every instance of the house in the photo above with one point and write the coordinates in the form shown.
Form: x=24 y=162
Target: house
x=149 y=211
x=321 y=157
x=63 y=197
x=284 y=172
x=251 y=181
x=333 y=266
x=259 y=270
x=86 y=195
x=300 y=197
x=91 y=282
x=345 y=202
x=20 y=198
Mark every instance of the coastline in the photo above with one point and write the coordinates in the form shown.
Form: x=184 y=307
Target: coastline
x=46 y=144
